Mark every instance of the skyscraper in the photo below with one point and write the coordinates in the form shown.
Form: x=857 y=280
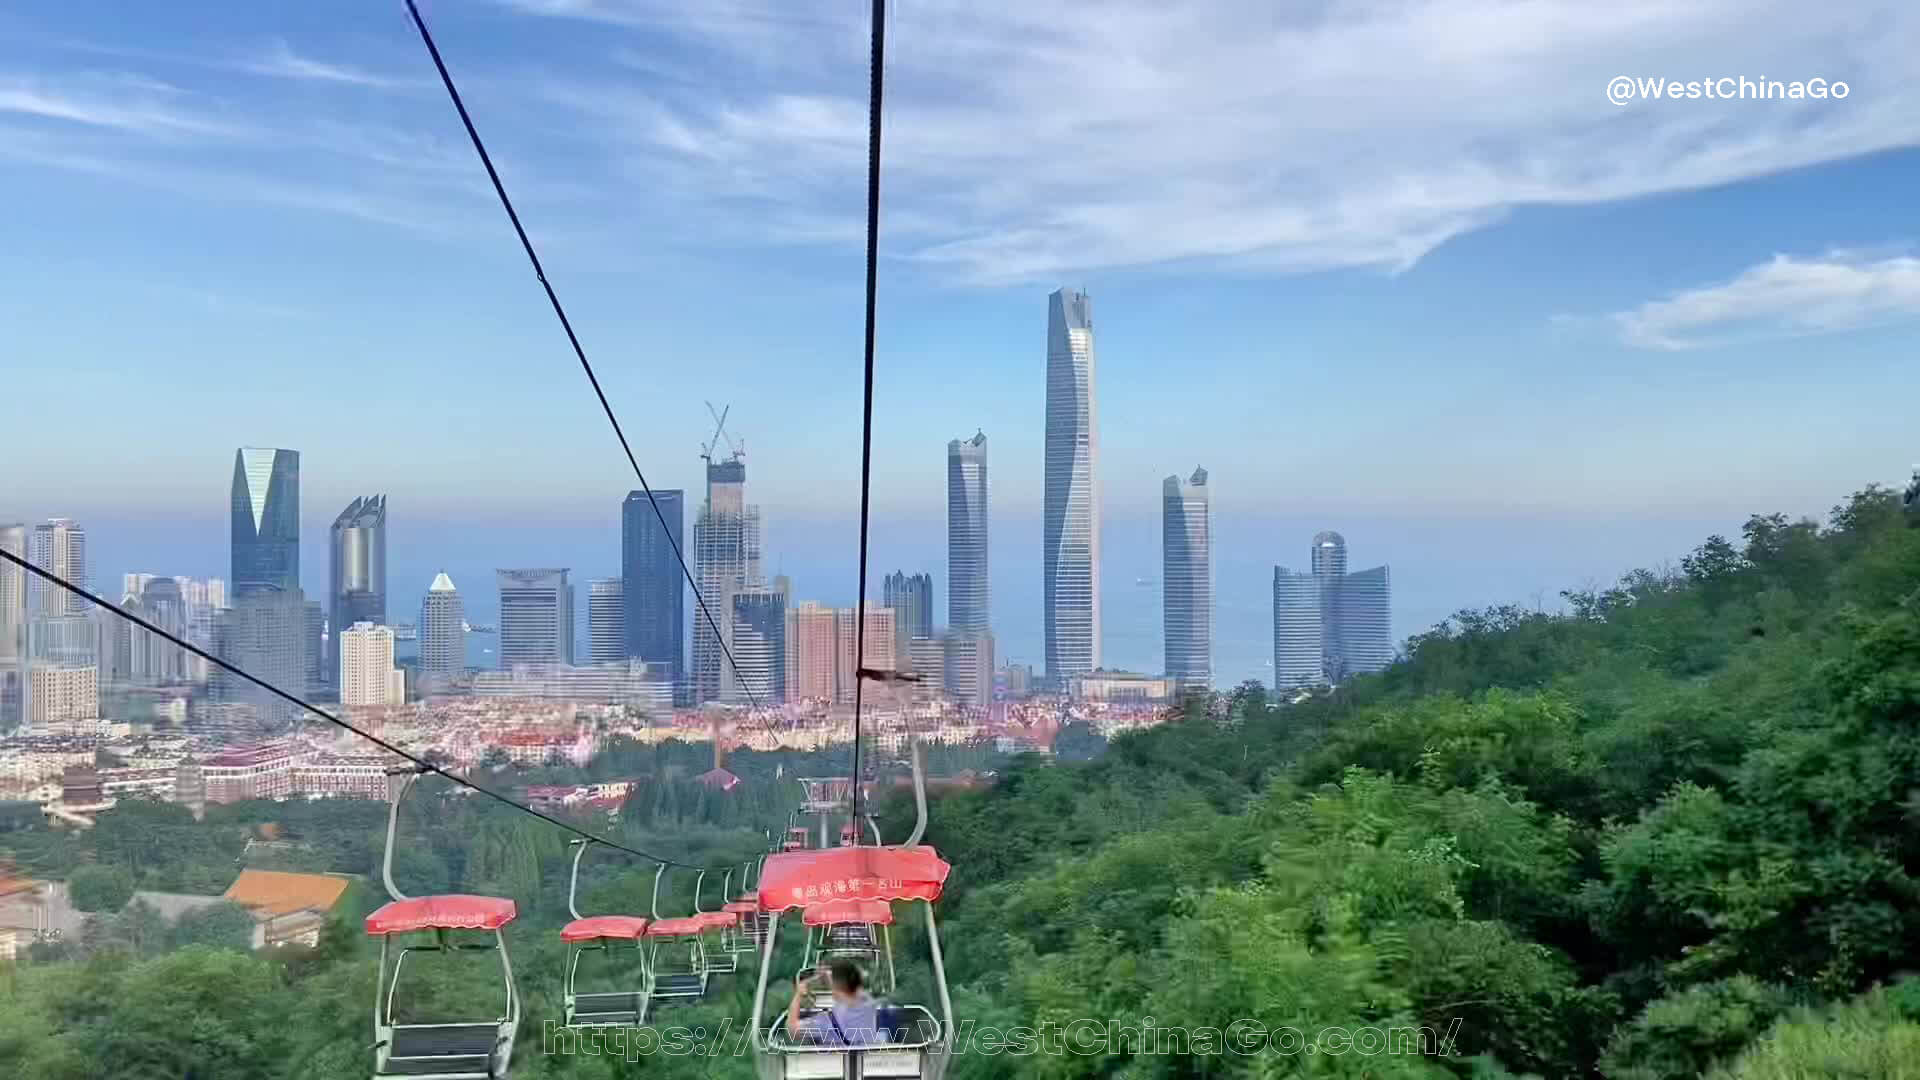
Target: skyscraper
x=1070 y=530
x=443 y=637
x=266 y=519
x=812 y=647
x=606 y=615
x=265 y=631
x=759 y=642
x=911 y=599
x=367 y=675
x=313 y=644
x=1298 y=656
x=654 y=590
x=968 y=595
x=152 y=660
x=726 y=560
x=357 y=590
x=13 y=627
x=1364 y=610
x=1186 y=558
x=264 y=634
x=536 y=617
x=1329 y=624
x=59 y=547
x=967 y=667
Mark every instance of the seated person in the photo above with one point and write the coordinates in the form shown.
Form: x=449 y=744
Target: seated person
x=854 y=1019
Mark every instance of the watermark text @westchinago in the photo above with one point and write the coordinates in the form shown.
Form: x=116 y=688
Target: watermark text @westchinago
x=1625 y=89
x=1083 y=1038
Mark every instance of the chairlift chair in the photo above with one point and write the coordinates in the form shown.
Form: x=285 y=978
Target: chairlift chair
x=461 y=1049
x=721 y=959
x=675 y=980
x=604 y=934
x=918 y=1047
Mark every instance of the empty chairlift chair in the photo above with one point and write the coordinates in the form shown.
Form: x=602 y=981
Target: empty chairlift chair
x=676 y=952
x=608 y=935
x=453 y=1049
x=719 y=928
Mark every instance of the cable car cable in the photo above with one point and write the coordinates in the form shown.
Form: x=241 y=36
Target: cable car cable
x=424 y=765
x=553 y=298
x=876 y=79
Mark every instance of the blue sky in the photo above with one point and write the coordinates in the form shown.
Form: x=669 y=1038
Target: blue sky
x=1394 y=268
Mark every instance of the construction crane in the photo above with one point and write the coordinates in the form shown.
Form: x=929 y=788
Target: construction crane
x=737 y=450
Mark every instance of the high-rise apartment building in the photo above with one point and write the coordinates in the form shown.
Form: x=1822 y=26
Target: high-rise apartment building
x=726 y=560
x=1186 y=562
x=653 y=585
x=967 y=667
x=59 y=547
x=812 y=648
x=62 y=693
x=969 y=597
x=536 y=617
x=879 y=647
x=1328 y=624
x=911 y=598
x=357 y=590
x=606 y=621
x=367 y=675
x=443 y=634
x=759 y=643
x=1070 y=526
x=13 y=628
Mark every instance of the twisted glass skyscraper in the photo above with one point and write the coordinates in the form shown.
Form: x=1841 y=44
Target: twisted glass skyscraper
x=1070 y=555
x=1186 y=555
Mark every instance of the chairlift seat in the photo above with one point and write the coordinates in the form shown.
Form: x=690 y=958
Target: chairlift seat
x=440 y=1049
x=716 y=920
x=452 y=911
x=742 y=907
x=689 y=926
x=595 y=927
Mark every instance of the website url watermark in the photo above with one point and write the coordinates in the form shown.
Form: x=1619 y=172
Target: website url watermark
x=1084 y=1038
x=1623 y=89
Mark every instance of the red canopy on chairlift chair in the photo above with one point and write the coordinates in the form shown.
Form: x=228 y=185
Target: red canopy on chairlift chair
x=799 y=879
x=455 y=911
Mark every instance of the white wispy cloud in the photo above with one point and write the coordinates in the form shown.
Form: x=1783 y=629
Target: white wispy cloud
x=1784 y=296
x=128 y=103
x=278 y=60
x=1299 y=137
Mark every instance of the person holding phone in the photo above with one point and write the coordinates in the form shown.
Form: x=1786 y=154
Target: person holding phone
x=853 y=1019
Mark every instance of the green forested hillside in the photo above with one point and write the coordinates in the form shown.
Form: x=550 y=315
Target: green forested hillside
x=1669 y=832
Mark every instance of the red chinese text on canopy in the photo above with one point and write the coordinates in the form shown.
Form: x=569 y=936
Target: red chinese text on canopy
x=803 y=878
x=837 y=912
x=452 y=912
